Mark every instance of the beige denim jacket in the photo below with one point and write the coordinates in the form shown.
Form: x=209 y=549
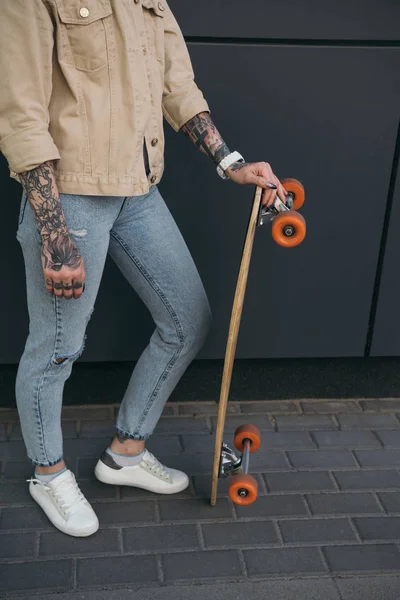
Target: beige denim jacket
x=85 y=83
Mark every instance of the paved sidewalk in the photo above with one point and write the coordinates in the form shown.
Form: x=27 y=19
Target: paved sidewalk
x=326 y=524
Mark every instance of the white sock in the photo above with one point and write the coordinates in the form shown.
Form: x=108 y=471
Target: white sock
x=48 y=477
x=125 y=461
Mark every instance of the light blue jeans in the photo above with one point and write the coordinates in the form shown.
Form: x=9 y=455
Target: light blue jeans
x=144 y=241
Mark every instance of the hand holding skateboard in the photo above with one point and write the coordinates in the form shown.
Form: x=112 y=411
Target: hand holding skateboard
x=288 y=230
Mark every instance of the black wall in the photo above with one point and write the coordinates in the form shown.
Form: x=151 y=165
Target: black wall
x=314 y=88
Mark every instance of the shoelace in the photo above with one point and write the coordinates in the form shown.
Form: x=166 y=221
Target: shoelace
x=156 y=466
x=67 y=494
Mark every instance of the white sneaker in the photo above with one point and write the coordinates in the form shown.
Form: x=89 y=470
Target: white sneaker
x=148 y=474
x=65 y=505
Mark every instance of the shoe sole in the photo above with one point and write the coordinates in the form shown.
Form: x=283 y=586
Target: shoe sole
x=101 y=476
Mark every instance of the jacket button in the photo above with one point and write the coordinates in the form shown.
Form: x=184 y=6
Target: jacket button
x=153 y=179
x=161 y=6
x=154 y=142
x=84 y=12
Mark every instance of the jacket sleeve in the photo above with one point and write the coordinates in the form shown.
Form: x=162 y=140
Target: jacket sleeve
x=182 y=98
x=26 y=47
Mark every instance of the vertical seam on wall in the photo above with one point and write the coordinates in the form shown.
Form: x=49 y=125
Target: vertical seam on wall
x=382 y=249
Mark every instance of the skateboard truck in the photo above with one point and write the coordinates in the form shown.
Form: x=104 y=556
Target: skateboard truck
x=288 y=226
x=288 y=230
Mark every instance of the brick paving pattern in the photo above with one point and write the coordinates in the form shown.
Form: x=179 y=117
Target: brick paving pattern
x=328 y=511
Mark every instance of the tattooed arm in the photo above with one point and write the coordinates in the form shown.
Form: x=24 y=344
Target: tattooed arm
x=203 y=133
x=62 y=264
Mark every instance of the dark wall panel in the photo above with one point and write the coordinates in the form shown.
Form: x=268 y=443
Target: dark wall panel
x=291 y=19
x=386 y=338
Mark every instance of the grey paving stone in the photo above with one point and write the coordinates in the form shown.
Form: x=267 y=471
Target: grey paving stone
x=163 y=445
x=292 y=440
x=17 y=545
x=29 y=517
x=378 y=528
x=276 y=408
x=383 y=404
x=391 y=501
x=116 y=570
x=3 y=431
x=299 y=481
x=369 y=588
x=234 y=421
x=84 y=448
x=182 y=425
x=95 y=490
x=15 y=493
x=202 y=485
x=283 y=561
x=342 y=559
x=51 y=575
x=17 y=470
x=193 y=464
x=193 y=510
x=87 y=413
x=278 y=589
x=322 y=459
x=378 y=458
x=274 y=506
x=96 y=429
x=204 y=408
x=201 y=565
x=8 y=415
x=236 y=535
x=346 y=439
x=390 y=438
x=126 y=512
x=305 y=423
x=367 y=480
x=161 y=538
x=86 y=467
x=263 y=461
x=12 y=451
x=366 y=421
x=331 y=407
x=203 y=443
x=343 y=504
x=68 y=429
x=317 y=531
x=58 y=544
x=132 y=493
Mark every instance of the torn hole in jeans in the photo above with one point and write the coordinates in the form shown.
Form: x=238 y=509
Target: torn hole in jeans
x=61 y=360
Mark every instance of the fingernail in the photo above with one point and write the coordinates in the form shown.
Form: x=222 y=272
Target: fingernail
x=271 y=185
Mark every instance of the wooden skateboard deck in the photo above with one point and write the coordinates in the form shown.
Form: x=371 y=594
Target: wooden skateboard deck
x=289 y=231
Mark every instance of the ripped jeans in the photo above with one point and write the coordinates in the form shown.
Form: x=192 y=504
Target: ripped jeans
x=142 y=238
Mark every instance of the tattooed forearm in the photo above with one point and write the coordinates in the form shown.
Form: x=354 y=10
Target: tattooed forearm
x=203 y=133
x=58 y=249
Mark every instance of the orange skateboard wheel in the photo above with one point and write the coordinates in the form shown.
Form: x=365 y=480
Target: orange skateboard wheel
x=243 y=490
x=289 y=229
x=247 y=432
x=297 y=189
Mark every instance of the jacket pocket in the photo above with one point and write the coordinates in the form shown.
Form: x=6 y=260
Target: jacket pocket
x=153 y=13
x=86 y=29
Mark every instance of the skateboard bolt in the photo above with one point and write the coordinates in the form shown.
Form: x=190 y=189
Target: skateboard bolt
x=243 y=493
x=288 y=231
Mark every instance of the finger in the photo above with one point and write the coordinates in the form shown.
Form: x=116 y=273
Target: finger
x=77 y=286
x=68 y=290
x=58 y=288
x=282 y=193
x=49 y=285
x=269 y=190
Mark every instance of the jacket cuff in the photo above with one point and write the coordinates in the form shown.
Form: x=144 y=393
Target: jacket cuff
x=28 y=148
x=180 y=107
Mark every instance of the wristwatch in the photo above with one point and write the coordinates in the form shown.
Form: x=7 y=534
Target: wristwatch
x=227 y=162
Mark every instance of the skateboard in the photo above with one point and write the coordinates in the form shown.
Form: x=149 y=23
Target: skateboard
x=288 y=230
